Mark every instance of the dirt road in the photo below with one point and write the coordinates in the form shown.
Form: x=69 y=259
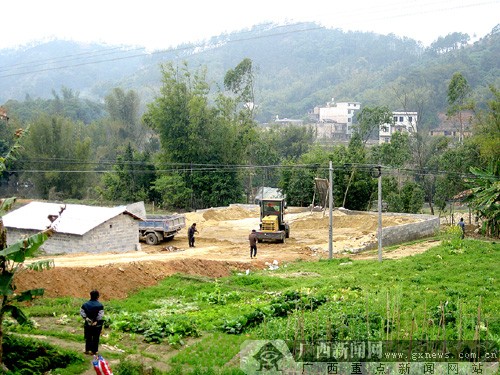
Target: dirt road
x=221 y=247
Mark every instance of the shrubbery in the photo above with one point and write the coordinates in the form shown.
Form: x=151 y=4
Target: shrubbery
x=29 y=357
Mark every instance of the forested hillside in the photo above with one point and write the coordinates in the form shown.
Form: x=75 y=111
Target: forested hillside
x=176 y=129
x=297 y=67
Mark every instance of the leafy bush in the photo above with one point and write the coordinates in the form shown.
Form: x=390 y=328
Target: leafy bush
x=452 y=238
x=29 y=357
x=126 y=322
x=279 y=307
x=445 y=314
x=217 y=297
x=155 y=326
x=235 y=326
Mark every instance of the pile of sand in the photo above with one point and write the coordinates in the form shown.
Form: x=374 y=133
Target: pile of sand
x=341 y=220
x=221 y=248
x=233 y=212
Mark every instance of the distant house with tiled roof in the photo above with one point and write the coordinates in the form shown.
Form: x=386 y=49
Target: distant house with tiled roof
x=453 y=126
x=79 y=229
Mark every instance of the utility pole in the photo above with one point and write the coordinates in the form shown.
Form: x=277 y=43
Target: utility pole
x=330 y=206
x=379 y=213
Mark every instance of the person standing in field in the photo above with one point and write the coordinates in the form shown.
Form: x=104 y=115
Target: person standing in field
x=252 y=238
x=191 y=231
x=461 y=224
x=93 y=313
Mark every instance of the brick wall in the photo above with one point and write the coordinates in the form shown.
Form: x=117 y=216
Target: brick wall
x=424 y=226
x=119 y=234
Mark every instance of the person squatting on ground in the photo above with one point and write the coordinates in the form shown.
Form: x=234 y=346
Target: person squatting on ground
x=252 y=238
x=92 y=312
x=191 y=231
x=461 y=224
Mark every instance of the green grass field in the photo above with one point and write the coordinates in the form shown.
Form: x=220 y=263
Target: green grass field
x=450 y=292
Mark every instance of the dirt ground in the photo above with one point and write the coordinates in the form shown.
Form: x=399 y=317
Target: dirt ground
x=221 y=248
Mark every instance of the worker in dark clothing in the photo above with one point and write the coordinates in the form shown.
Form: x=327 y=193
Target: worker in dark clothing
x=191 y=231
x=252 y=238
x=461 y=224
x=93 y=313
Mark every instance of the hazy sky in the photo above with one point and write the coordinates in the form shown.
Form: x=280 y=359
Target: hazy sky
x=158 y=24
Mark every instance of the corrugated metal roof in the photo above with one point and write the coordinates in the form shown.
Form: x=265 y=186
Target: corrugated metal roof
x=76 y=218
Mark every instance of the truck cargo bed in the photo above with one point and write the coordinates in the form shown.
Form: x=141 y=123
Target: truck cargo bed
x=156 y=228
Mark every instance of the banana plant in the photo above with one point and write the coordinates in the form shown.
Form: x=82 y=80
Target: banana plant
x=485 y=199
x=12 y=257
x=12 y=260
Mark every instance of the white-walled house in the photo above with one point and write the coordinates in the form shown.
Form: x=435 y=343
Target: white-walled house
x=403 y=121
x=78 y=229
x=336 y=119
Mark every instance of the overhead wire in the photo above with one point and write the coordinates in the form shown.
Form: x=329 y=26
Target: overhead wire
x=282 y=29
x=232 y=168
x=93 y=53
x=403 y=10
x=159 y=52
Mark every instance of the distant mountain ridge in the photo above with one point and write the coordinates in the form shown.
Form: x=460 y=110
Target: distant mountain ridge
x=297 y=67
x=37 y=70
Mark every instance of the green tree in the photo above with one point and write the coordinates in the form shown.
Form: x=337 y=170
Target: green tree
x=279 y=144
x=131 y=179
x=208 y=139
x=172 y=191
x=454 y=163
x=486 y=133
x=425 y=159
x=240 y=81
x=409 y=198
x=59 y=151
x=8 y=145
x=262 y=154
x=369 y=120
x=297 y=183
x=359 y=185
x=123 y=109
x=459 y=93
x=291 y=142
x=450 y=42
x=485 y=200
x=396 y=153
x=297 y=178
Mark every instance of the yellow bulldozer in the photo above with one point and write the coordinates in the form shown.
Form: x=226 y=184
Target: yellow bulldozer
x=272 y=224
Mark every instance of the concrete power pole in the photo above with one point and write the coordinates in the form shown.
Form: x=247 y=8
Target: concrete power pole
x=330 y=206
x=379 y=213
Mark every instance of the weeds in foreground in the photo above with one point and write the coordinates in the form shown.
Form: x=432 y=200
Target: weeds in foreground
x=450 y=292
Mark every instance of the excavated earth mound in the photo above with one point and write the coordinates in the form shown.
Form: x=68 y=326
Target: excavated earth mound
x=221 y=248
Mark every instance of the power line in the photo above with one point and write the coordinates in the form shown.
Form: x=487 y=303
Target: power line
x=70 y=57
x=230 y=168
x=403 y=11
x=172 y=50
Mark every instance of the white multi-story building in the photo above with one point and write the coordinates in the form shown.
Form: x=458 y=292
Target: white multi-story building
x=402 y=121
x=337 y=119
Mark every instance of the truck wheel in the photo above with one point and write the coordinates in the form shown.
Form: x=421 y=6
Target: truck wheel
x=151 y=239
